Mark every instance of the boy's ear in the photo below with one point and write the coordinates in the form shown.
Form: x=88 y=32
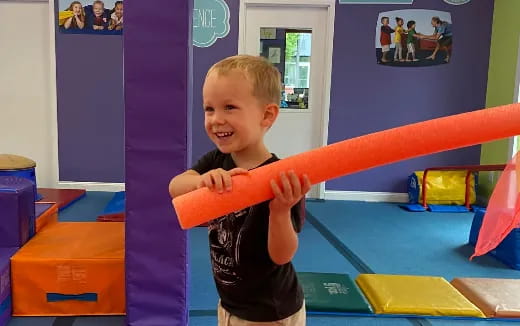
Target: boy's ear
x=270 y=114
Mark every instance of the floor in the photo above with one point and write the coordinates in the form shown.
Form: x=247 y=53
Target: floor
x=342 y=237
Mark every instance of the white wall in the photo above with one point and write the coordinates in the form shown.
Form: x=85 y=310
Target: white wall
x=25 y=101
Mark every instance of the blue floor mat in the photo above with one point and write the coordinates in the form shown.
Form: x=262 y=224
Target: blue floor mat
x=448 y=208
x=202 y=292
x=391 y=240
x=88 y=208
x=314 y=254
x=116 y=204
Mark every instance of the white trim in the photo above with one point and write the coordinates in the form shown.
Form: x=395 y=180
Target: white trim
x=390 y=197
x=329 y=49
x=91 y=186
x=512 y=147
x=331 y=12
x=53 y=103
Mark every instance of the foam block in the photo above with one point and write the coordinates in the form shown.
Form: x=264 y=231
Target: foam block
x=476 y=224
x=16 y=211
x=415 y=295
x=63 y=197
x=352 y=156
x=18 y=166
x=508 y=251
x=331 y=292
x=5 y=285
x=74 y=268
x=46 y=214
x=502 y=214
x=496 y=298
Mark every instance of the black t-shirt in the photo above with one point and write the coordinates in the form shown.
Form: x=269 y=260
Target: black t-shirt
x=251 y=286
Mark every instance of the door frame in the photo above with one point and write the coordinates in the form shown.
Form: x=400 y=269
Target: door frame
x=330 y=6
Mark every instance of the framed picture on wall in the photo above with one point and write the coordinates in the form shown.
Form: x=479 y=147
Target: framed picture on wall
x=268 y=33
x=274 y=55
x=414 y=37
x=91 y=17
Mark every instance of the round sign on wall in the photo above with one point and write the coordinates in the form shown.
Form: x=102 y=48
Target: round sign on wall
x=210 y=22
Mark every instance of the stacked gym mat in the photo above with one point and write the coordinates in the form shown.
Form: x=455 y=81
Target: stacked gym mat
x=71 y=268
x=48 y=268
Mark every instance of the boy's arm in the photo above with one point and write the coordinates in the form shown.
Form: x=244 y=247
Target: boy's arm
x=282 y=241
x=184 y=183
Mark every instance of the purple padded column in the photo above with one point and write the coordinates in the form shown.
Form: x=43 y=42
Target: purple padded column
x=5 y=285
x=157 y=68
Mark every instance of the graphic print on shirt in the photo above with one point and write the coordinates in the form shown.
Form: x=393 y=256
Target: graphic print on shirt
x=225 y=234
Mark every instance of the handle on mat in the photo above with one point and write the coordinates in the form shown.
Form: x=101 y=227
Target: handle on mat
x=57 y=297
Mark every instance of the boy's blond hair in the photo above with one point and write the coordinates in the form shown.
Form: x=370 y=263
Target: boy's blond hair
x=264 y=77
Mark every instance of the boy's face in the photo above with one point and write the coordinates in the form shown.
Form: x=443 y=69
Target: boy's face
x=385 y=21
x=235 y=120
x=98 y=9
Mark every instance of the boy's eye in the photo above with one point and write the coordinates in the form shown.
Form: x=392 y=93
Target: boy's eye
x=208 y=109
x=230 y=107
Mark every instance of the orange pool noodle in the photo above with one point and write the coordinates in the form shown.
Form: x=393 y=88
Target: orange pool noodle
x=351 y=156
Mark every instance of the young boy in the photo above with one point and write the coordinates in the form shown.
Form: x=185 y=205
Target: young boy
x=410 y=40
x=250 y=250
x=385 y=38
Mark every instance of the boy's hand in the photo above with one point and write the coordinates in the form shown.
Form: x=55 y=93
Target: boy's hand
x=219 y=179
x=291 y=192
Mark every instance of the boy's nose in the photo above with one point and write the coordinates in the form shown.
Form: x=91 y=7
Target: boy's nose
x=218 y=118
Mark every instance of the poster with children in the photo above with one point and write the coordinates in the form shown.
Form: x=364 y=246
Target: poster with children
x=91 y=17
x=414 y=37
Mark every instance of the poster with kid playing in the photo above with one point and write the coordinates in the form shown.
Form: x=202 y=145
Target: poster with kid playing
x=95 y=17
x=414 y=37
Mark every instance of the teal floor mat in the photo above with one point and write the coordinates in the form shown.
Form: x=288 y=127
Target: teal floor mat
x=88 y=208
x=393 y=241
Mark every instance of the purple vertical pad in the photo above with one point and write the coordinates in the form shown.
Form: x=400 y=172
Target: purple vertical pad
x=16 y=211
x=157 y=70
x=5 y=285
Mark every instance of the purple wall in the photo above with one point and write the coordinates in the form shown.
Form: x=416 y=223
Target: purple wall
x=364 y=94
x=203 y=59
x=90 y=107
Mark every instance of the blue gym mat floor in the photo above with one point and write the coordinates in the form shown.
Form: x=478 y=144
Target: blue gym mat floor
x=338 y=237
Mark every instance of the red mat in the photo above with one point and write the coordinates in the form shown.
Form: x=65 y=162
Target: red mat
x=63 y=197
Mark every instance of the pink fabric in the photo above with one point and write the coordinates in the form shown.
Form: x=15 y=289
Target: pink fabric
x=503 y=211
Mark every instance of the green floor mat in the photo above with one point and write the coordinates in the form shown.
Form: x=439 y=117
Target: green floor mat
x=331 y=292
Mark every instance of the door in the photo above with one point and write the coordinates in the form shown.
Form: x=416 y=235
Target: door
x=294 y=39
